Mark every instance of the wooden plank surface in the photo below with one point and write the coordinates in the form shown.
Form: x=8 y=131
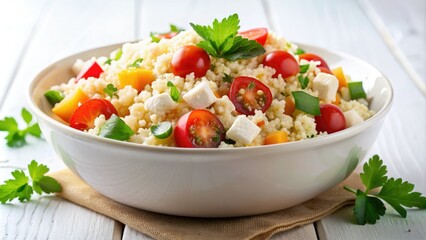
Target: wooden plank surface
x=17 y=21
x=64 y=28
x=44 y=31
x=406 y=23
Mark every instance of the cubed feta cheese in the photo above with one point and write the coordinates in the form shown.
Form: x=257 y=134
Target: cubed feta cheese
x=352 y=118
x=243 y=130
x=201 y=96
x=160 y=104
x=326 y=85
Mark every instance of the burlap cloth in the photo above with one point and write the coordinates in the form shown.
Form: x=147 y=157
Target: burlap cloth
x=160 y=226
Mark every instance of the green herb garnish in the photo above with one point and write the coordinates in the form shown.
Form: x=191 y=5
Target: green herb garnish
x=369 y=205
x=306 y=103
x=156 y=37
x=162 y=130
x=116 y=128
x=117 y=56
x=304 y=68
x=19 y=187
x=304 y=81
x=54 y=96
x=15 y=136
x=220 y=40
x=136 y=63
x=227 y=78
x=299 y=51
x=356 y=90
x=110 y=90
x=174 y=92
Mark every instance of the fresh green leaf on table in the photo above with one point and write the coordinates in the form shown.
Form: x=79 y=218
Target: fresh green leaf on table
x=17 y=137
x=20 y=186
x=369 y=205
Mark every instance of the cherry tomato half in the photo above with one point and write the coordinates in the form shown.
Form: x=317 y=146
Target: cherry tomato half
x=249 y=94
x=258 y=34
x=313 y=57
x=331 y=119
x=199 y=129
x=283 y=63
x=84 y=116
x=92 y=70
x=188 y=59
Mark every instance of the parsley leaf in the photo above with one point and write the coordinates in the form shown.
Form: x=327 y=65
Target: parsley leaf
x=227 y=78
x=299 y=51
x=117 y=56
x=15 y=136
x=369 y=205
x=19 y=187
x=220 y=40
x=174 y=92
x=136 y=63
x=304 y=68
x=111 y=90
x=304 y=81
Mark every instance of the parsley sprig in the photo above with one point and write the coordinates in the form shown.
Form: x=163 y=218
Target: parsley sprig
x=111 y=90
x=16 y=137
x=369 y=206
x=220 y=40
x=20 y=186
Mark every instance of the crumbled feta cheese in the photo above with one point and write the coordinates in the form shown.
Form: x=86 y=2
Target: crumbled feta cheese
x=243 y=130
x=77 y=66
x=326 y=85
x=201 y=96
x=160 y=104
x=352 y=118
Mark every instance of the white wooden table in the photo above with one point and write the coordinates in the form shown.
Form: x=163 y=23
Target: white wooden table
x=389 y=34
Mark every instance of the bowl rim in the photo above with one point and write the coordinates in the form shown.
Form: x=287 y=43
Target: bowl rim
x=289 y=146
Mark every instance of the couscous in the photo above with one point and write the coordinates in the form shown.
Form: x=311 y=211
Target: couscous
x=209 y=87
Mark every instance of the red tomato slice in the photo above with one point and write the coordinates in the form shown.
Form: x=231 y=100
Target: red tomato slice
x=84 y=117
x=92 y=70
x=331 y=119
x=199 y=129
x=188 y=59
x=167 y=35
x=249 y=94
x=313 y=57
x=258 y=34
x=325 y=70
x=283 y=62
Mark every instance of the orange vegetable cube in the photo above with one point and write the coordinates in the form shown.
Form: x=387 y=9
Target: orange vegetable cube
x=138 y=78
x=65 y=108
x=337 y=101
x=289 y=106
x=338 y=72
x=276 y=137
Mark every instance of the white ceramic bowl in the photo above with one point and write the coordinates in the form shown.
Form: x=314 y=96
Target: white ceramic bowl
x=212 y=182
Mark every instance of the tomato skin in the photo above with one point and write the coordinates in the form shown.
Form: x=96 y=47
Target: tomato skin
x=188 y=59
x=283 y=62
x=169 y=35
x=250 y=96
x=258 y=34
x=84 y=116
x=313 y=57
x=331 y=119
x=199 y=129
x=325 y=70
x=93 y=70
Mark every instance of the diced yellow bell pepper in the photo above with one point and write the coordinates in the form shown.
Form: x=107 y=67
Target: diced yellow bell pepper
x=338 y=72
x=276 y=137
x=65 y=108
x=337 y=101
x=138 y=78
